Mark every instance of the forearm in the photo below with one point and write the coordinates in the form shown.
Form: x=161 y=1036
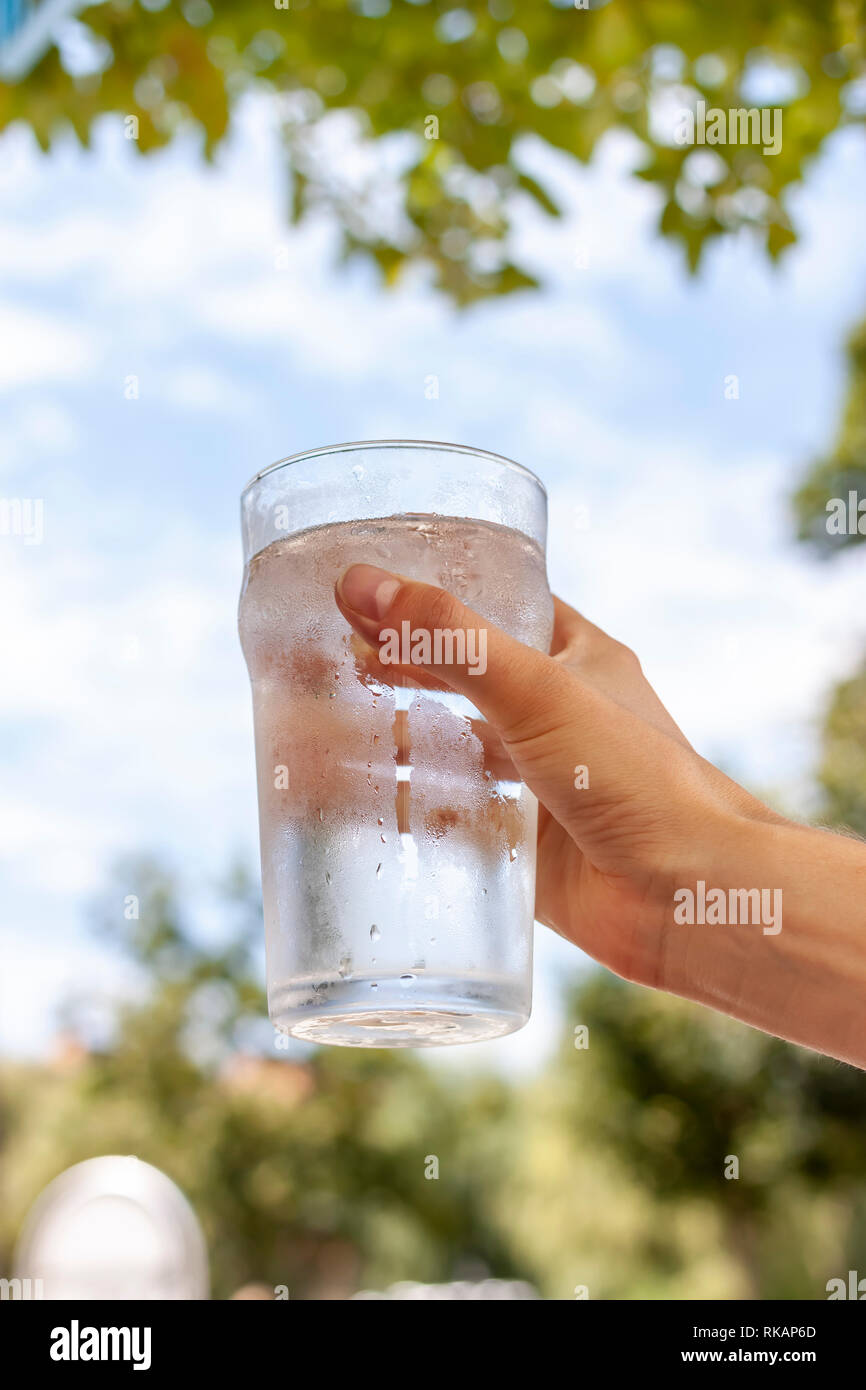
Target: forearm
x=800 y=971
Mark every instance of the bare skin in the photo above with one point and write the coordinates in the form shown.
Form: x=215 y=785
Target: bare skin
x=655 y=818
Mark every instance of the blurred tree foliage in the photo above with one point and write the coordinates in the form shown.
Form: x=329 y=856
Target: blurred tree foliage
x=490 y=75
x=309 y=1174
x=708 y=1114
x=607 y=1171
x=840 y=477
x=842 y=773
x=844 y=469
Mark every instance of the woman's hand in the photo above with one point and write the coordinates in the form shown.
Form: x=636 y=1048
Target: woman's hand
x=631 y=817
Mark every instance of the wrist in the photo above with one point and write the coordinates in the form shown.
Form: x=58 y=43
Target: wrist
x=727 y=908
x=785 y=947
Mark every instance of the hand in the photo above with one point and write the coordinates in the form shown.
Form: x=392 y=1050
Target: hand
x=652 y=818
x=610 y=853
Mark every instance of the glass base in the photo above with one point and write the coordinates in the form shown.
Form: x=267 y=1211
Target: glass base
x=405 y=1012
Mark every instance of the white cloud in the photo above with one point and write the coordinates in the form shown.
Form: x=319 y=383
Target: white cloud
x=193 y=386
x=44 y=431
x=37 y=347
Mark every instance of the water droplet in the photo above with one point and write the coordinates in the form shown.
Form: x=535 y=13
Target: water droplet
x=345 y=967
x=374 y=986
x=327 y=878
x=333 y=695
x=484 y=892
x=513 y=853
x=358 y=472
x=382 y=838
x=321 y=814
x=374 y=933
x=380 y=821
x=407 y=979
x=432 y=941
x=378 y=870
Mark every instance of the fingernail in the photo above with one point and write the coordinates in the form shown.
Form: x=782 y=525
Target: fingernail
x=367 y=590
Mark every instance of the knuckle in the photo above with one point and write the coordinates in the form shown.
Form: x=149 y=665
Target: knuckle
x=626 y=656
x=540 y=715
x=440 y=610
x=611 y=655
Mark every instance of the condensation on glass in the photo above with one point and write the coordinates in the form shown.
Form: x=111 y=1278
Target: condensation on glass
x=398 y=844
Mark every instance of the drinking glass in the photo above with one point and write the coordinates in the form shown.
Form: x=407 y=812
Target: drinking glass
x=397 y=841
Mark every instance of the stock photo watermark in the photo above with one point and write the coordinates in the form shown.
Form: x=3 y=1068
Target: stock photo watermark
x=23 y=518
x=444 y=646
x=21 y=1290
x=852 y=1288
x=740 y=125
x=715 y=907
x=846 y=517
x=77 y=1343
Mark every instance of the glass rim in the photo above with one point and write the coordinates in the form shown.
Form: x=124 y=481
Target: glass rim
x=395 y=444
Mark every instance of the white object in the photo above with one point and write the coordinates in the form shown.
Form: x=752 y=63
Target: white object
x=114 y=1228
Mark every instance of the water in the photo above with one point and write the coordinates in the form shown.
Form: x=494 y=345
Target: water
x=398 y=846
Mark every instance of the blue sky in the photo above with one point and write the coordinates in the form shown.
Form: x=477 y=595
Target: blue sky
x=125 y=711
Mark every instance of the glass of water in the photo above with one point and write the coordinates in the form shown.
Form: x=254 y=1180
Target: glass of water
x=398 y=844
